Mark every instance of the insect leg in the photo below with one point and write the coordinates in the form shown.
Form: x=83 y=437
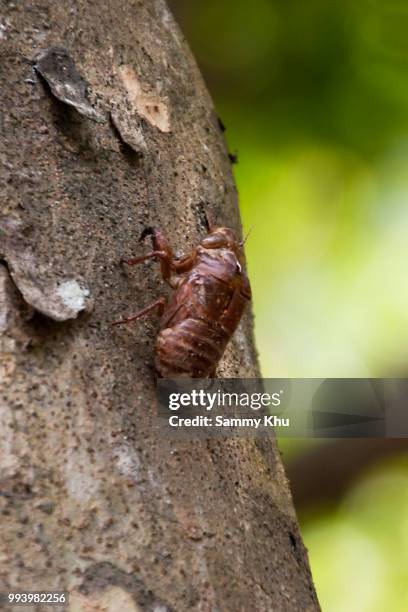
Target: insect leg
x=185 y=264
x=159 y=304
x=163 y=250
x=136 y=260
x=168 y=262
x=210 y=221
x=160 y=244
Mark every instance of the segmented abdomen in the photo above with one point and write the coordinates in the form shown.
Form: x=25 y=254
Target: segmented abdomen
x=190 y=348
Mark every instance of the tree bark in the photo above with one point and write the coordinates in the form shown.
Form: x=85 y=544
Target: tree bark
x=107 y=128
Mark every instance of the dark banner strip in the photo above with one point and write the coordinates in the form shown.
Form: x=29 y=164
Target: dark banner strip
x=289 y=407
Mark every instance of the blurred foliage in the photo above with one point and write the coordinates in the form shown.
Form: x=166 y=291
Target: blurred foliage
x=284 y=71
x=314 y=96
x=359 y=552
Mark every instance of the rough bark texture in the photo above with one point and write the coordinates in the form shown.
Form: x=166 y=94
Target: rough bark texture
x=110 y=132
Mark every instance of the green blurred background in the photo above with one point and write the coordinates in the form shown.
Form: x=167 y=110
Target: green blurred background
x=314 y=96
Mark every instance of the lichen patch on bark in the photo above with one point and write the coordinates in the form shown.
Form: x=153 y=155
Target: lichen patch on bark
x=110 y=600
x=149 y=105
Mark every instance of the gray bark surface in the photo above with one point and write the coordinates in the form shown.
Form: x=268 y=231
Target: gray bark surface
x=106 y=128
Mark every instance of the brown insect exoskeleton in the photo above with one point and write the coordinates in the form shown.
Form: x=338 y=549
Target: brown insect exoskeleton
x=211 y=291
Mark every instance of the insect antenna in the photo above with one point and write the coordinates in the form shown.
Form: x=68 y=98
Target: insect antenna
x=247 y=236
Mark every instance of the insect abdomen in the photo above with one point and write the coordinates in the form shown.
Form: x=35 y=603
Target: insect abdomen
x=191 y=348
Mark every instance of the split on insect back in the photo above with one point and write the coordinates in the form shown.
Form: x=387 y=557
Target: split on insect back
x=211 y=291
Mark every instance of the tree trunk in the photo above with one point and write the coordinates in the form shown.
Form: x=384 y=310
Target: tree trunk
x=107 y=128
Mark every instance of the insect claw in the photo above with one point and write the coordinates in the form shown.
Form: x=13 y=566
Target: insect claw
x=148 y=231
